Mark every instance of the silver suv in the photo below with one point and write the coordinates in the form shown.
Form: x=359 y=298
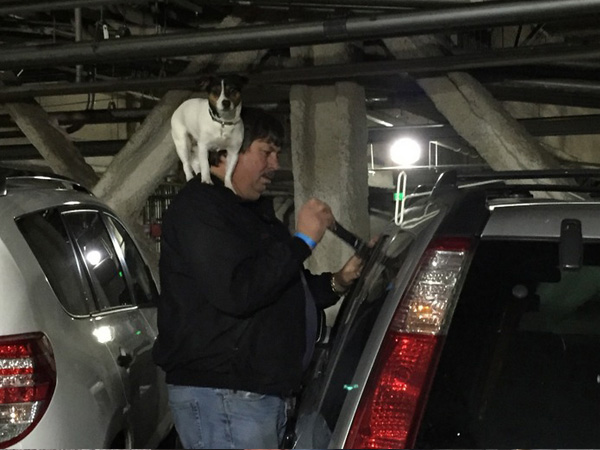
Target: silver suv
x=475 y=323
x=77 y=325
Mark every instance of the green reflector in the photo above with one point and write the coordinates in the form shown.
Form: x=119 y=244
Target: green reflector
x=121 y=273
x=398 y=196
x=349 y=387
x=138 y=332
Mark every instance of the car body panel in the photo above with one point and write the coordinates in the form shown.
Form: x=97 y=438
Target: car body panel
x=324 y=420
x=541 y=220
x=95 y=398
x=419 y=226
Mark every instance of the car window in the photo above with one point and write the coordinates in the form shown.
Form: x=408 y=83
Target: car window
x=48 y=239
x=520 y=366
x=358 y=315
x=144 y=289
x=95 y=246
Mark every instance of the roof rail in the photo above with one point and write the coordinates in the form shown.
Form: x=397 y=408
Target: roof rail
x=63 y=182
x=528 y=174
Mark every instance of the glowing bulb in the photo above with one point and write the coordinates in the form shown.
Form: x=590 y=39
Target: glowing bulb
x=405 y=151
x=104 y=334
x=93 y=257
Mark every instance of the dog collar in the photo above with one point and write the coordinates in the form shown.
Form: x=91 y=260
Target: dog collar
x=219 y=120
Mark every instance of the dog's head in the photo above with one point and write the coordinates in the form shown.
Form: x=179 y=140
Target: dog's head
x=225 y=94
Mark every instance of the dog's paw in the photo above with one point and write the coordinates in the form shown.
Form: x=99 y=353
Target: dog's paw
x=189 y=173
x=207 y=181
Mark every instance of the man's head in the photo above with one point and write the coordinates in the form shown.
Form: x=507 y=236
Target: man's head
x=258 y=158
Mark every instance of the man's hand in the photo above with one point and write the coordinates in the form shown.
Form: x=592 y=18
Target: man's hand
x=314 y=217
x=348 y=274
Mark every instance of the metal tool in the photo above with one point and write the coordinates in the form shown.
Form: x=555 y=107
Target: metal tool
x=360 y=247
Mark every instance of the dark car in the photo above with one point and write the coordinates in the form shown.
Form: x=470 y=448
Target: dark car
x=475 y=324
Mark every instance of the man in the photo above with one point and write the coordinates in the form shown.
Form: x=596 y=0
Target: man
x=237 y=312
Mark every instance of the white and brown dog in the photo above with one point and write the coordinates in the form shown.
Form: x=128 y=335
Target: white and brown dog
x=200 y=125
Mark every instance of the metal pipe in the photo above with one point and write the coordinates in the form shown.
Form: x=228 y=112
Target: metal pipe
x=551 y=126
x=306 y=33
x=348 y=4
x=331 y=73
x=78 y=27
x=57 y=5
x=87 y=149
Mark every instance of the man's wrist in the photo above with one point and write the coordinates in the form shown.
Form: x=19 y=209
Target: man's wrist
x=336 y=287
x=307 y=239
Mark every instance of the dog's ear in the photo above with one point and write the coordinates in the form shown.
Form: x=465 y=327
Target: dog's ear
x=237 y=80
x=210 y=82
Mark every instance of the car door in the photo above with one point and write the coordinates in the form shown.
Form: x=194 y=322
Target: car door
x=87 y=404
x=118 y=321
x=147 y=386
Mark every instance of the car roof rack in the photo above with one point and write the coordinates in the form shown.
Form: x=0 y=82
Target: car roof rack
x=495 y=180
x=12 y=180
x=528 y=174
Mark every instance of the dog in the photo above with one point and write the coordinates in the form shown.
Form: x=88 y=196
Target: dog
x=199 y=125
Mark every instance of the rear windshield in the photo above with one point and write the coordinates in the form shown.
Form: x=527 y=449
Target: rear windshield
x=521 y=363
x=360 y=310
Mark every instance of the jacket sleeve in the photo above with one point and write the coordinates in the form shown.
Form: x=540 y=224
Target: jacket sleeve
x=320 y=287
x=234 y=273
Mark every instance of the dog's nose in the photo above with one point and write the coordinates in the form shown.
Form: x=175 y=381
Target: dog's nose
x=226 y=103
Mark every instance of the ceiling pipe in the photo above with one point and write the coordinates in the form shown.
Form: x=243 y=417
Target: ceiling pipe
x=551 y=126
x=17 y=152
x=346 y=4
x=78 y=34
x=330 y=73
x=189 y=5
x=543 y=126
x=539 y=127
x=57 y=5
x=88 y=117
x=291 y=34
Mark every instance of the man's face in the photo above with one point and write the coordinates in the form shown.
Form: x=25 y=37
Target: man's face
x=255 y=169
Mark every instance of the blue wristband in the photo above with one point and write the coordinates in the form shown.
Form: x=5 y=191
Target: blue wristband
x=312 y=244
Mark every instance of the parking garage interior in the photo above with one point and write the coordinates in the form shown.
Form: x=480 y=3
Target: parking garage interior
x=88 y=88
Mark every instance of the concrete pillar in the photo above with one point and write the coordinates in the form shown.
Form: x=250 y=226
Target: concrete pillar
x=330 y=161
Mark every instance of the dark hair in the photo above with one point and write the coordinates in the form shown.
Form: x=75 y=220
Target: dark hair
x=257 y=125
x=260 y=125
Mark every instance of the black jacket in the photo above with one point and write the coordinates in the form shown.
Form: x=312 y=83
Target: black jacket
x=231 y=312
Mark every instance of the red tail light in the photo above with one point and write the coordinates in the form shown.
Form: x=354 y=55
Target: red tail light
x=392 y=402
x=27 y=380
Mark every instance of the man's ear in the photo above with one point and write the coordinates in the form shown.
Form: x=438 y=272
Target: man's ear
x=222 y=156
x=217 y=157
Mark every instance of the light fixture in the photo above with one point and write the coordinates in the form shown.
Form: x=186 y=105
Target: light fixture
x=93 y=257
x=405 y=151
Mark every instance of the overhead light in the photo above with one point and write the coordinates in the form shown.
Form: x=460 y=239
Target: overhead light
x=405 y=151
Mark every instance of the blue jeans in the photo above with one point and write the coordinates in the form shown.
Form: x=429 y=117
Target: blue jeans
x=223 y=418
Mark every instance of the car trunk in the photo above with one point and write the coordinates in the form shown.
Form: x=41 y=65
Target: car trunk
x=521 y=361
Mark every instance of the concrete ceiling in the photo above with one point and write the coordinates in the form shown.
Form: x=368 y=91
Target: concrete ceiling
x=545 y=52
